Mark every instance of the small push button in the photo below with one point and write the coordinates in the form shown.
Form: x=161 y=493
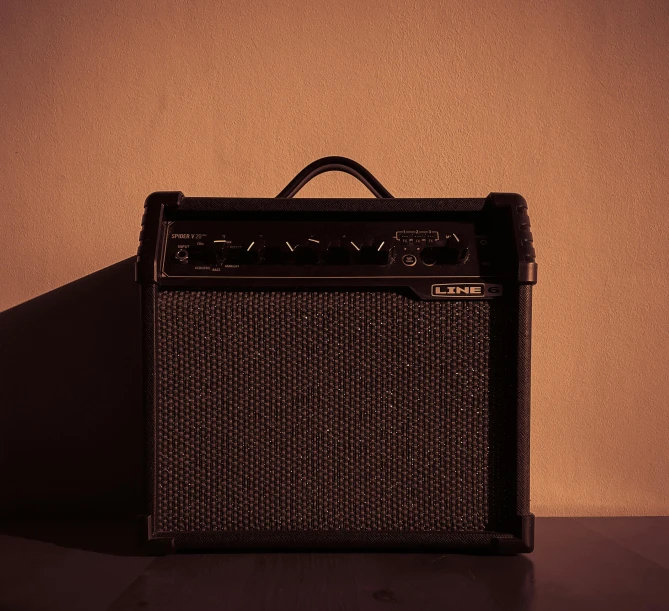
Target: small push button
x=409 y=260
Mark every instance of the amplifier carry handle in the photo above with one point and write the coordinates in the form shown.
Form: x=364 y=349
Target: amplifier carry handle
x=341 y=164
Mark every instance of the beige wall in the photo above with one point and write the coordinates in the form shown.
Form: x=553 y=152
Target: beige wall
x=565 y=102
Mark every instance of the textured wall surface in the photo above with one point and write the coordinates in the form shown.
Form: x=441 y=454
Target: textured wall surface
x=564 y=102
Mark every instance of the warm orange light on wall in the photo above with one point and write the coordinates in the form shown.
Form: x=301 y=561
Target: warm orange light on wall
x=101 y=104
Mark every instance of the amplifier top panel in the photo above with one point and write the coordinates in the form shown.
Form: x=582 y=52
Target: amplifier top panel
x=226 y=245
x=326 y=248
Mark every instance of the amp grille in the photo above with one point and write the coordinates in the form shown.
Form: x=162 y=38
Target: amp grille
x=326 y=411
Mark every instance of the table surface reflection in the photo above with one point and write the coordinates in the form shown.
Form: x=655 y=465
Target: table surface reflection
x=578 y=563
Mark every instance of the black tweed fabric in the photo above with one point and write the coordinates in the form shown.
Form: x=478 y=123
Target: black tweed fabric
x=321 y=411
x=349 y=204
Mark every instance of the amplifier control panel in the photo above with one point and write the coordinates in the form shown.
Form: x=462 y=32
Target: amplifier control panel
x=324 y=249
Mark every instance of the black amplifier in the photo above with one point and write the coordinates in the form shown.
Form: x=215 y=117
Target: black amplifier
x=337 y=373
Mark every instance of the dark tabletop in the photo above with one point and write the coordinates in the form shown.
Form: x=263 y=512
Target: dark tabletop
x=578 y=563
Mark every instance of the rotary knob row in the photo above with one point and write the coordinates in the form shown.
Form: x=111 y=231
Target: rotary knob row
x=339 y=252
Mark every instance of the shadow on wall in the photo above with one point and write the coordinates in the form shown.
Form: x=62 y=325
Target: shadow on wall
x=71 y=400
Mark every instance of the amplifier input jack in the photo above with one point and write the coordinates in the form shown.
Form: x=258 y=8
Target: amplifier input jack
x=428 y=257
x=182 y=255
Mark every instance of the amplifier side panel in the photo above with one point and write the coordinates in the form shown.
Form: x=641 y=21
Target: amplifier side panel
x=147 y=535
x=526 y=519
x=524 y=379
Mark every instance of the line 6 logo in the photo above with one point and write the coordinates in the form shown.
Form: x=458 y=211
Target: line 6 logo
x=466 y=290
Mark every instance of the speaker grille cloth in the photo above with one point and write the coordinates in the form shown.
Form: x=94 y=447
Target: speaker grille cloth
x=286 y=411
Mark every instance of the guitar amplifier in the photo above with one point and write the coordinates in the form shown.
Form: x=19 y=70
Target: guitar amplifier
x=337 y=373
